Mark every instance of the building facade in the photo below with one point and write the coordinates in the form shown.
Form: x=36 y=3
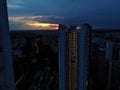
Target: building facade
x=73 y=57
x=6 y=67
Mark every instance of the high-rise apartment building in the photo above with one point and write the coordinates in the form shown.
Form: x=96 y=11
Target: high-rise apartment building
x=6 y=70
x=73 y=52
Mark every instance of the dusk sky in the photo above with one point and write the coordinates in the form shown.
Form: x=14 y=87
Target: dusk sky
x=39 y=14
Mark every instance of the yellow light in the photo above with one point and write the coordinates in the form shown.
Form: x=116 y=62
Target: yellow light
x=44 y=25
x=37 y=24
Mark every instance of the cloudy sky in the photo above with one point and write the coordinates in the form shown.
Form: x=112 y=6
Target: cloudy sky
x=39 y=14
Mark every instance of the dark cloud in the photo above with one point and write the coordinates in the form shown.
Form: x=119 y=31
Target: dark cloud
x=102 y=13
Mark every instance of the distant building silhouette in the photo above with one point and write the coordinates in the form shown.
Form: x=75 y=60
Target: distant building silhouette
x=104 y=65
x=73 y=57
x=6 y=67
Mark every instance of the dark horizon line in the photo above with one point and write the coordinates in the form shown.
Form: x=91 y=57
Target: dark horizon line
x=93 y=30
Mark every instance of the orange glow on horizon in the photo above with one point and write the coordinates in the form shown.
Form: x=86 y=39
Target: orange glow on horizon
x=43 y=25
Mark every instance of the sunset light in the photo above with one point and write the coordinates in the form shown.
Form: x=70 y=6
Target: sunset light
x=31 y=23
x=44 y=25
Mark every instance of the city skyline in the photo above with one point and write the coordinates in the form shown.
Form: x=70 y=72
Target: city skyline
x=99 y=14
